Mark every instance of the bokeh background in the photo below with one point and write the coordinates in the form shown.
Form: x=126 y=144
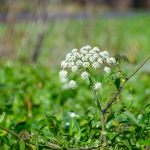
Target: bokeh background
x=35 y=35
x=44 y=31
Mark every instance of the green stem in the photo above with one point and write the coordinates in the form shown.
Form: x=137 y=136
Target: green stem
x=114 y=97
x=101 y=114
x=95 y=95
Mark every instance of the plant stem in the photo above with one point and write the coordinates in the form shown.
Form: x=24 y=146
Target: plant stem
x=95 y=95
x=101 y=114
x=49 y=145
x=114 y=98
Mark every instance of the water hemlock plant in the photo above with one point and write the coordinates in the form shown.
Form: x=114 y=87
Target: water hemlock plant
x=88 y=63
x=119 y=128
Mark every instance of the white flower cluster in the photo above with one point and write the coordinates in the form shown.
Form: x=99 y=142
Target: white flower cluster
x=85 y=58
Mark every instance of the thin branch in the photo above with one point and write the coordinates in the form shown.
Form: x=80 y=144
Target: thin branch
x=138 y=68
x=48 y=146
x=114 y=98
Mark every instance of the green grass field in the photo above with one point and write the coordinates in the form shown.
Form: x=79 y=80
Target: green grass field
x=129 y=36
x=34 y=105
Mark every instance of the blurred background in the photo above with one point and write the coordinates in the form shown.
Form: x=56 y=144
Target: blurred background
x=44 y=31
x=35 y=35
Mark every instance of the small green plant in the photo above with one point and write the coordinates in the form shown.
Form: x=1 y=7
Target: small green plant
x=93 y=64
x=38 y=113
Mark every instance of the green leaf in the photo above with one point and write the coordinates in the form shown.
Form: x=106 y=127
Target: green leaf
x=122 y=58
x=132 y=118
x=53 y=124
x=2 y=85
x=74 y=129
x=22 y=145
x=127 y=144
x=117 y=83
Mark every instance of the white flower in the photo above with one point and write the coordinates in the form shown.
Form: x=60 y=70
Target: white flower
x=104 y=54
x=84 y=58
x=98 y=85
x=74 y=68
x=95 y=65
x=107 y=70
x=84 y=75
x=95 y=55
x=63 y=79
x=74 y=50
x=78 y=62
x=96 y=49
x=63 y=74
x=92 y=51
x=67 y=123
x=72 y=114
x=87 y=47
x=112 y=60
x=92 y=59
x=86 y=64
x=71 y=64
x=108 y=60
x=72 y=58
x=80 y=55
x=88 y=55
x=76 y=54
x=64 y=64
x=72 y=84
x=68 y=56
x=100 y=60
x=84 y=50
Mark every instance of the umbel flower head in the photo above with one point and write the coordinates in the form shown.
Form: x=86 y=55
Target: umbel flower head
x=82 y=60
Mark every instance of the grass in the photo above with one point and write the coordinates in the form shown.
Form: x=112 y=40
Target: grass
x=130 y=36
x=33 y=101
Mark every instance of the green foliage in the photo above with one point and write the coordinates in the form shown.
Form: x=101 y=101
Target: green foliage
x=130 y=35
x=34 y=105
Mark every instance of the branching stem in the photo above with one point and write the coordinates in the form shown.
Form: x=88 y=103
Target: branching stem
x=114 y=98
x=101 y=112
